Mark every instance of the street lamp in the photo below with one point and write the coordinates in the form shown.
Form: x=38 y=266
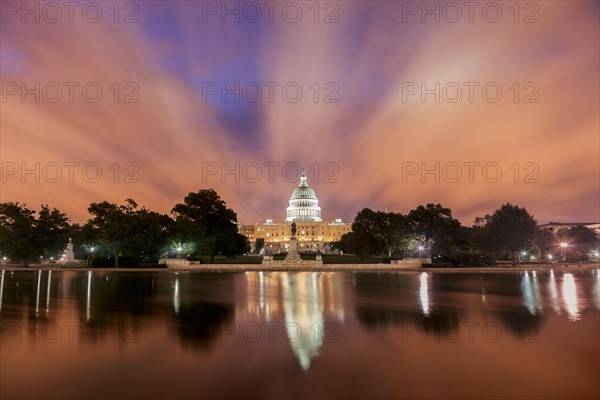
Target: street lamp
x=179 y=248
x=421 y=252
x=563 y=246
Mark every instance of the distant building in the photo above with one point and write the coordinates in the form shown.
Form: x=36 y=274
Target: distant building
x=313 y=233
x=555 y=226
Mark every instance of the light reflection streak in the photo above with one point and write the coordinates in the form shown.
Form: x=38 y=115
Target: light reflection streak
x=553 y=289
x=424 y=295
x=528 y=296
x=37 y=297
x=89 y=295
x=597 y=289
x=1 y=289
x=176 y=298
x=303 y=315
x=261 y=291
x=539 y=305
x=48 y=292
x=570 y=297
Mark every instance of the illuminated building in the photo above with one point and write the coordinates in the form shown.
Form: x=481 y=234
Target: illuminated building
x=313 y=233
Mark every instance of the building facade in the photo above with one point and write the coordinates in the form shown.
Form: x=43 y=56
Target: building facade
x=556 y=226
x=313 y=234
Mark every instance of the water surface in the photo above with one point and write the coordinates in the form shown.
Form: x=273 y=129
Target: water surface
x=84 y=334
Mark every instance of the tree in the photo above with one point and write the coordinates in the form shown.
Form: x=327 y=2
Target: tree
x=85 y=241
x=112 y=222
x=26 y=238
x=207 y=210
x=350 y=243
x=435 y=226
x=186 y=234
x=377 y=232
x=511 y=229
x=137 y=233
x=545 y=241
x=394 y=232
x=259 y=245
x=148 y=234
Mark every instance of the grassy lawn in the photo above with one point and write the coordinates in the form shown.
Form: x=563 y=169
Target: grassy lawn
x=344 y=259
x=235 y=260
x=327 y=259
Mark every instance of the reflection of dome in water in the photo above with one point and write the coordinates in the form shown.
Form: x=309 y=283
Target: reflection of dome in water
x=303 y=205
x=303 y=316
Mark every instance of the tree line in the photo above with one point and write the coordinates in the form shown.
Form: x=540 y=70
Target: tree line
x=203 y=226
x=509 y=233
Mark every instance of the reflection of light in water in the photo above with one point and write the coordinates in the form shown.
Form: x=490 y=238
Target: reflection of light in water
x=597 y=289
x=303 y=315
x=424 y=295
x=332 y=295
x=570 y=296
x=527 y=292
x=553 y=289
x=176 y=300
x=37 y=296
x=89 y=294
x=261 y=291
x=303 y=299
x=48 y=292
x=483 y=298
x=539 y=305
x=1 y=289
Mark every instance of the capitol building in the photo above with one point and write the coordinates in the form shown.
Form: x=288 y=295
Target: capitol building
x=313 y=234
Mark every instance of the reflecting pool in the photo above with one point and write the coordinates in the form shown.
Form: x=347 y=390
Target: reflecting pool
x=123 y=334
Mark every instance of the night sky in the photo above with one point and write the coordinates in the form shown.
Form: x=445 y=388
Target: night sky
x=369 y=129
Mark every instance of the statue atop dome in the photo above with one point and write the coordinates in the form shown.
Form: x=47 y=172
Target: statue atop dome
x=303 y=179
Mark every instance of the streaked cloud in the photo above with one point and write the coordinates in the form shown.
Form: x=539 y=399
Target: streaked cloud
x=368 y=58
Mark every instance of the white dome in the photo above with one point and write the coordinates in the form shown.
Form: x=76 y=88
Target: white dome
x=303 y=205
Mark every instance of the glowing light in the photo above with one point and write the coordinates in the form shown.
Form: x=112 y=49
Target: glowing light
x=89 y=296
x=564 y=244
x=553 y=289
x=48 y=292
x=570 y=297
x=37 y=296
x=597 y=289
x=176 y=298
x=424 y=295
x=527 y=291
x=1 y=289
